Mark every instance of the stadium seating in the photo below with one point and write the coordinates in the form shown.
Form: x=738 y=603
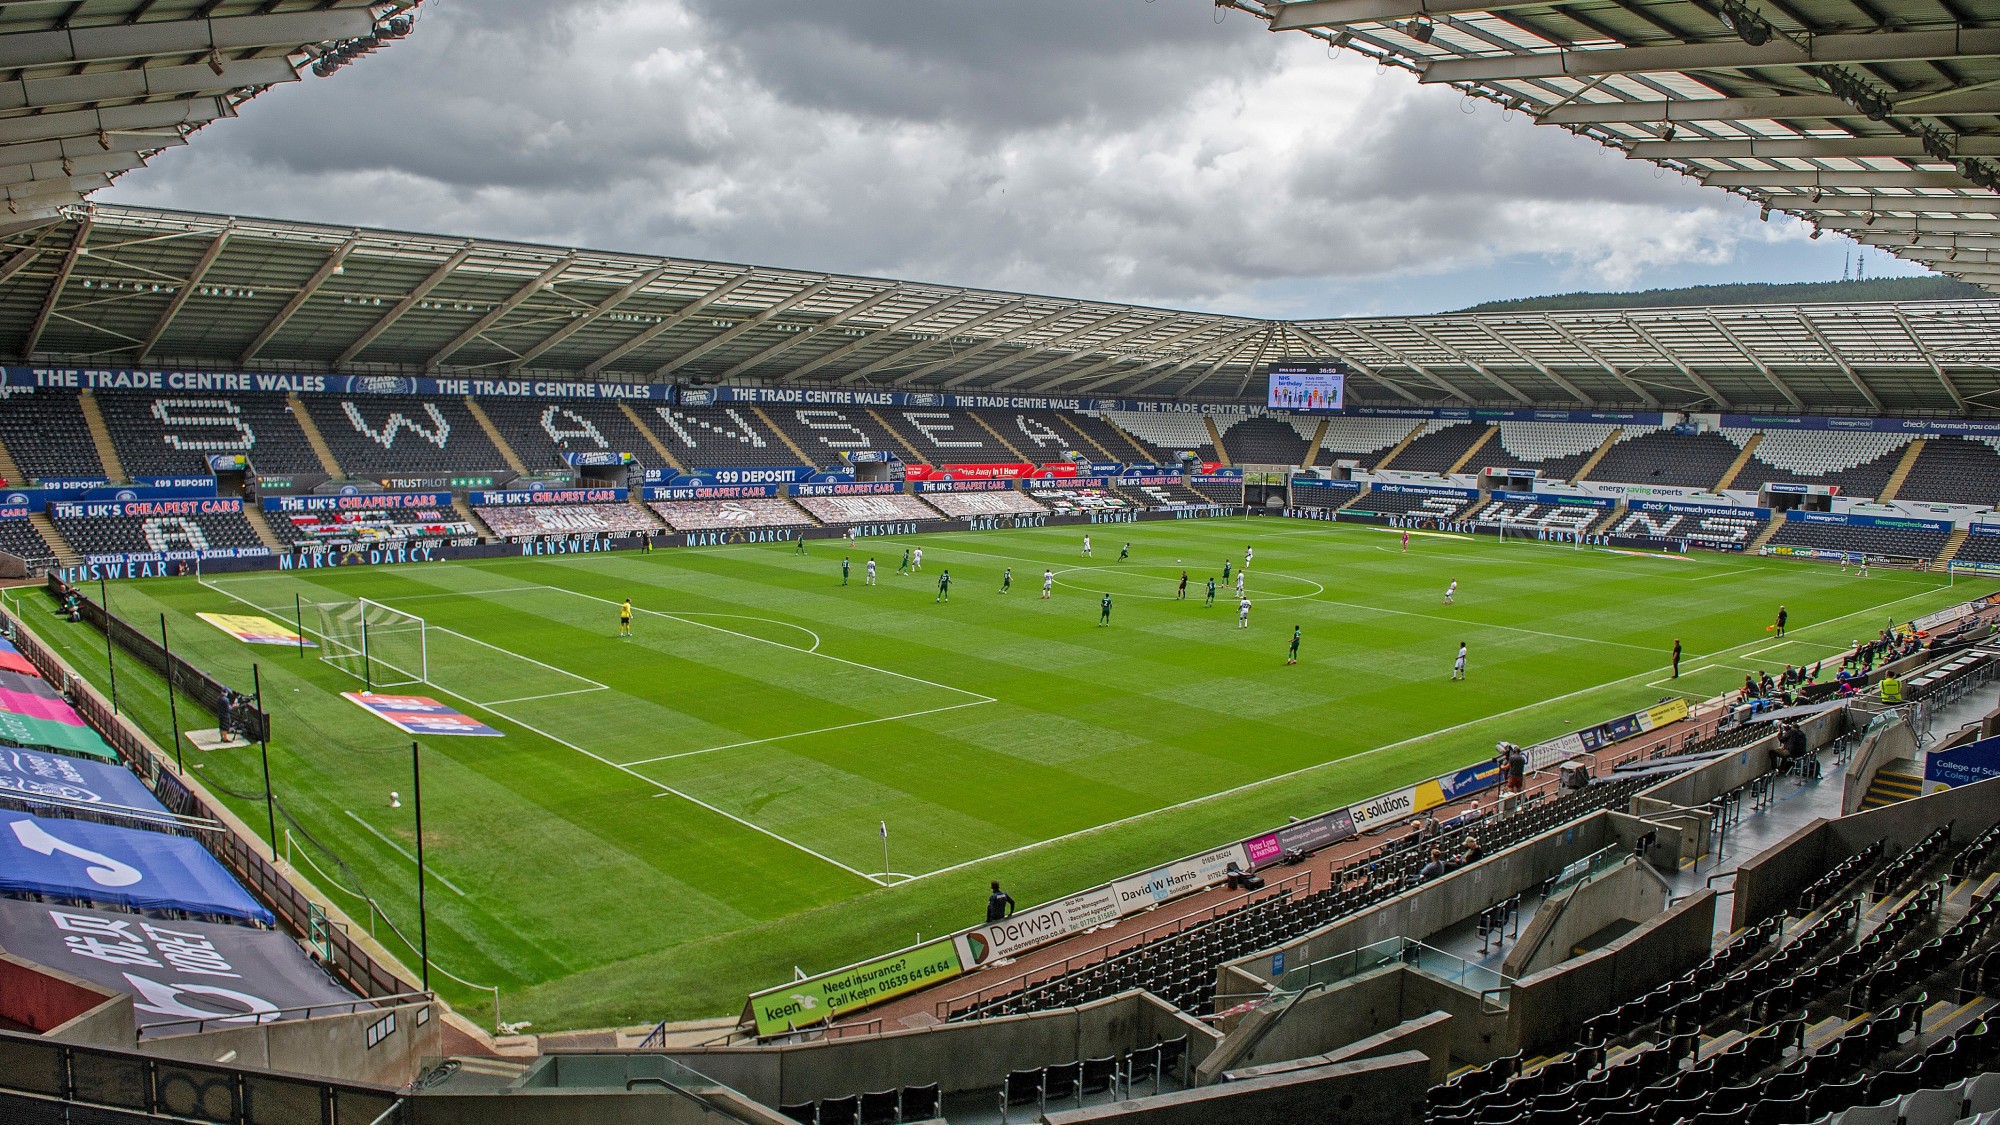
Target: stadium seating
x=1955 y=470
x=172 y=435
x=1979 y=548
x=1859 y=463
x=711 y=515
x=1715 y=531
x=1525 y=514
x=541 y=432
x=403 y=436
x=1006 y=502
x=1219 y=492
x=566 y=519
x=1043 y=436
x=45 y=432
x=717 y=437
x=1362 y=440
x=887 y=508
x=1663 y=457
x=1555 y=449
x=951 y=437
x=827 y=434
x=1173 y=494
x=121 y=535
x=1437 y=448
x=1123 y=444
x=1064 y=501
x=1168 y=434
x=18 y=537
x=372 y=524
x=1880 y=542
x=1310 y=493
x=1267 y=440
x=1382 y=503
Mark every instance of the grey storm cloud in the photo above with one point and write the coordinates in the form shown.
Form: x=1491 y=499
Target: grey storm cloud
x=1111 y=149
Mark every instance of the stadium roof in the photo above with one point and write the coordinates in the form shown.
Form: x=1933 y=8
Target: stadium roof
x=113 y=287
x=90 y=89
x=1879 y=119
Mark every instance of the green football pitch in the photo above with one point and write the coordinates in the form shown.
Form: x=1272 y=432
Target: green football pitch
x=675 y=819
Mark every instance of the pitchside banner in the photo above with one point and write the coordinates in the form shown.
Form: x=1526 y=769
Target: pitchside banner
x=1183 y=876
x=818 y=999
x=418 y=714
x=1847 y=520
x=1030 y=928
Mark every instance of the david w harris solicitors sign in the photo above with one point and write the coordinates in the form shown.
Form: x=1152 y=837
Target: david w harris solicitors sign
x=143 y=509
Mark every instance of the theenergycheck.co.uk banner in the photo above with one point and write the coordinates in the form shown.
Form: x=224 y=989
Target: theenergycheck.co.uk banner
x=818 y=999
x=418 y=714
x=254 y=630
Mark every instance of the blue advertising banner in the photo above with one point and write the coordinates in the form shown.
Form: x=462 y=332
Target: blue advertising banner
x=80 y=859
x=1470 y=780
x=1698 y=509
x=1427 y=490
x=1844 y=519
x=1964 y=765
x=357 y=502
x=881 y=488
x=119 y=379
x=35 y=773
x=1916 y=427
x=966 y=485
x=1319 y=482
x=177 y=482
x=546 y=496
x=685 y=491
x=1984 y=528
x=1554 y=498
x=771 y=474
x=597 y=458
x=1477 y=414
x=144 y=509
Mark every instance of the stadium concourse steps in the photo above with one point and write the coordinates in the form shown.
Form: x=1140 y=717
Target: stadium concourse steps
x=1875 y=541
x=173 y=435
x=407 y=436
x=1180 y=967
x=1865 y=1002
x=1662 y=457
x=118 y=535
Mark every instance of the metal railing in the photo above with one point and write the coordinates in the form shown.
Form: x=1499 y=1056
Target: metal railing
x=1409 y=952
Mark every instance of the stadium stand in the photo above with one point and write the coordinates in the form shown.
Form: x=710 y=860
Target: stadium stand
x=44 y=431
x=1219 y=491
x=1167 y=435
x=1437 y=448
x=1955 y=470
x=1267 y=440
x=1005 y=502
x=1381 y=503
x=1310 y=493
x=1169 y=495
x=1073 y=501
x=717 y=437
x=1043 y=436
x=1362 y=440
x=566 y=519
x=541 y=432
x=378 y=523
x=947 y=437
x=1526 y=514
x=826 y=434
x=1662 y=457
x=172 y=435
x=1720 y=532
x=398 y=435
x=1859 y=463
x=886 y=508
x=712 y=515
x=1878 y=542
x=1122 y=444
x=19 y=538
x=120 y=535
x=1977 y=548
x=1555 y=449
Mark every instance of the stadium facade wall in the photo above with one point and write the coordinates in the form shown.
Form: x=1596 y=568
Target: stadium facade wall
x=1338 y=1025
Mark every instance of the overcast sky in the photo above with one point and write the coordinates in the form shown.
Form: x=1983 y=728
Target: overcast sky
x=1112 y=149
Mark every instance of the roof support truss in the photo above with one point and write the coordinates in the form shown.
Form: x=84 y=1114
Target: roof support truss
x=578 y=323
x=901 y=354
x=692 y=309
x=327 y=269
x=545 y=278
x=409 y=302
x=819 y=328
x=742 y=328
x=1841 y=360
x=56 y=287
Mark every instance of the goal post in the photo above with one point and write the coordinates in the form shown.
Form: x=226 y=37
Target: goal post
x=377 y=644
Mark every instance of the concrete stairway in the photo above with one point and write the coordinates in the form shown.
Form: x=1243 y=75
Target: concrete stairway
x=784 y=437
x=1603 y=448
x=980 y=417
x=1735 y=468
x=1085 y=441
x=1764 y=536
x=493 y=434
x=1400 y=446
x=1492 y=431
x=1604 y=526
x=9 y=471
x=1892 y=784
x=1312 y=447
x=465 y=512
x=908 y=451
x=1910 y=454
x=53 y=540
x=262 y=527
x=320 y=448
x=100 y=435
x=1950 y=549
x=1215 y=436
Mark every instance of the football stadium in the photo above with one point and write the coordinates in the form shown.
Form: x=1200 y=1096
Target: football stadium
x=451 y=679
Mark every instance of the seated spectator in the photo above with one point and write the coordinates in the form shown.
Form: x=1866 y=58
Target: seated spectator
x=1473 y=852
x=1433 y=868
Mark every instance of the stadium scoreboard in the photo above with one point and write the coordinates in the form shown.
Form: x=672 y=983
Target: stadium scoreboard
x=1307 y=386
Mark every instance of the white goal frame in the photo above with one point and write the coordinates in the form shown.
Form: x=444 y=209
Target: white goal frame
x=372 y=642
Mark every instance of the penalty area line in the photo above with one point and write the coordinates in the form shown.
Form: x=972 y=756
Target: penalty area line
x=805 y=733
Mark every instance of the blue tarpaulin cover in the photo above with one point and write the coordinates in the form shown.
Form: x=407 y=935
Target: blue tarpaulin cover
x=36 y=773
x=121 y=866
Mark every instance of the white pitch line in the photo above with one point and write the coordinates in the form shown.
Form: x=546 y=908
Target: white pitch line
x=804 y=733
x=1274 y=778
x=428 y=869
x=546 y=695
x=510 y=652
x=981 y=696
x=1482 y=625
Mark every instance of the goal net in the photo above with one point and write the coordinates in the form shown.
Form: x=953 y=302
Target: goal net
x=374 y=643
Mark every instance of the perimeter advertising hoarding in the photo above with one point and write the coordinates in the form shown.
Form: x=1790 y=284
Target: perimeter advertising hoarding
x=1029 y=928
x=517 y=498
x=1965 y=765
x=357 y=502
x=818 y=999
x=231 y=382
x=714 y=492
x=1395 y=806
x=143 y=509
x=1183 y=876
